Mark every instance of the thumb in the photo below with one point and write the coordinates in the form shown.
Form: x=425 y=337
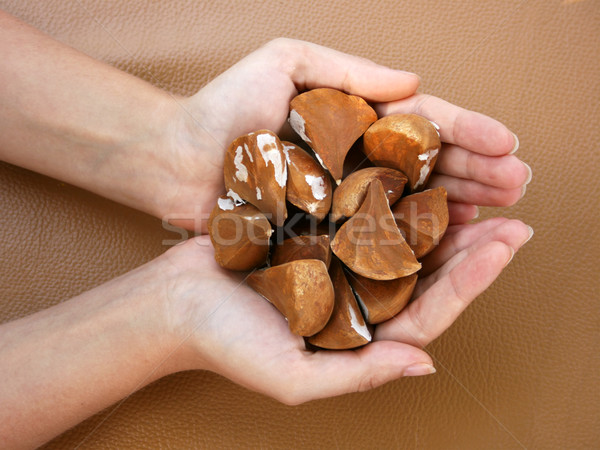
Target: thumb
x=313 y=66
x=334 y=373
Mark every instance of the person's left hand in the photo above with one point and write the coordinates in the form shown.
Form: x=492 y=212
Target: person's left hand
x=474 y=164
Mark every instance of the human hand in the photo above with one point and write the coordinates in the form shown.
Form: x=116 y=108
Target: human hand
x=467 y=261
x=255 y=94
x=255 y=348
x=182 y=311
x=474 y=164
x=228 y=328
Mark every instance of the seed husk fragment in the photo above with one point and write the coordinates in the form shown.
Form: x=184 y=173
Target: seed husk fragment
x=239 y=234
x=308 y=184
x=302 y=247
x=301 y=290
x=371 y=244
x=349 y=195
x=330 y=121
x=405 y=142
x=346 y=327
x=380 y=300
x=255 y=169
x=423 y=219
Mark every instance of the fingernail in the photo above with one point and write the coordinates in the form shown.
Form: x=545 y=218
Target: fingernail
x=411 y=73
x=523 y=190
x=530 y=235
x=512 y=255
x=516 y=147
x=417 y=370
x=476 y=213
x=530 y=173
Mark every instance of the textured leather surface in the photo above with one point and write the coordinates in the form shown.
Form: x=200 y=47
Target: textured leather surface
x=518 y=370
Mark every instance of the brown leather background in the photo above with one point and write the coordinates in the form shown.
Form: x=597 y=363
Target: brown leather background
x=518 y=370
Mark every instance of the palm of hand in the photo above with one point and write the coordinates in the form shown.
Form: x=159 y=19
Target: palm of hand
x=254 y=103
x=255 y=94
x=235 y=332
x=232 y=330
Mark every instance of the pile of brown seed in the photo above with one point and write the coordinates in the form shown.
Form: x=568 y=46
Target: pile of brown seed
x=332 y=278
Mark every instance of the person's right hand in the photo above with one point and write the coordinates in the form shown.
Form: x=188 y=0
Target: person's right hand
x=226 y=327
x=468 y=260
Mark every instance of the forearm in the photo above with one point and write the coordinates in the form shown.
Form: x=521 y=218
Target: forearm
x=66 y=363
x=76 y=119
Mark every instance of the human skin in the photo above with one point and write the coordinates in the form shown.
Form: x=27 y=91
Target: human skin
x=79 y=120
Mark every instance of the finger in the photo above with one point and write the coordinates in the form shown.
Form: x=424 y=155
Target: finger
x=455 y=239
x=468 y=129
x=438 y=307
x=471 y=238
x=475 y=193
x=329 y=373
x=461 y=213
x=505 y=172
x=312 y=66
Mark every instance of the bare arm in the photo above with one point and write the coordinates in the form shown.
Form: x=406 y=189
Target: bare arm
x=63 y=364
x=76 y=119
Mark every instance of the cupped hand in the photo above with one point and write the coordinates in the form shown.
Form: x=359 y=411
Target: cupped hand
x=474 y=164
x=228 y=328
x=467 y=261
x=224 y=326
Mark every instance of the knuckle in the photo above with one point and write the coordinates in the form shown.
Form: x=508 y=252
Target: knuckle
x=419 y=332
x=471 y=169
x=286 y=54
x=284 y=47
x=419 y=106
x=278 y=43
x=366 y=383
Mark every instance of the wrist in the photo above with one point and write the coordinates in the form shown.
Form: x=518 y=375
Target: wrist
x=191 y=164
x=86 y=353
x=137 y=164
x=139 y=306
x=149 y=156
x=191 y=303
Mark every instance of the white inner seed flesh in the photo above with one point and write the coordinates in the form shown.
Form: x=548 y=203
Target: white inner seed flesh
x=317 y=186
x=267 y=145
x=297 y=123
x=360 y=329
